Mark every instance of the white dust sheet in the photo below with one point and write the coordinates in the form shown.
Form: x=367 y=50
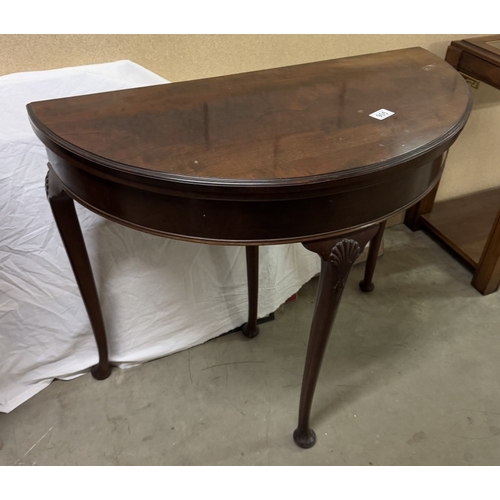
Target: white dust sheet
x=158 y=296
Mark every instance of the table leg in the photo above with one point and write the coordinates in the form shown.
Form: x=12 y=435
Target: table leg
x=63 y=209
x=487 y=275
x=337 y=258
x=366 y=284
x=424 y=206
x=250 y=329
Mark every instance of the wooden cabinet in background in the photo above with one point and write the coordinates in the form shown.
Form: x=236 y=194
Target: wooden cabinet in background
x=469 y=225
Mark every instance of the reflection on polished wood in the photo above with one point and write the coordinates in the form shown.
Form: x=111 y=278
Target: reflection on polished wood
x=283 y=155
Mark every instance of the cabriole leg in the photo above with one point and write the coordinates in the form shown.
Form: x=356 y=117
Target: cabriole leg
x=366 y=284
x=337 y=258
x=250 y=329
x=63 y=209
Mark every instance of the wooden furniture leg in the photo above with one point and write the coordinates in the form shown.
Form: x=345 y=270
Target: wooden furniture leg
x=487 y=275
x=63 y=209
x=250 y=329
x=337 y=258
x=366 y=284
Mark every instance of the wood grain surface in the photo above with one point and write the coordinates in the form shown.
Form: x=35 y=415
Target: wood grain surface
x=306 y=122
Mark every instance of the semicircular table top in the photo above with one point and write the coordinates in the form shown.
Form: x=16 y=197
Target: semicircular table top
x=320 y=153
x=305 y=124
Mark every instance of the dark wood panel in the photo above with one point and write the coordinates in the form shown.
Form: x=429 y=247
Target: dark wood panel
x=244 y=221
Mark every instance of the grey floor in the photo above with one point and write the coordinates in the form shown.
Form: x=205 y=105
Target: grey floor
x=411 y=377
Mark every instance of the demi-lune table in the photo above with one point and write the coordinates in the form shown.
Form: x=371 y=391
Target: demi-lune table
x=320 y=153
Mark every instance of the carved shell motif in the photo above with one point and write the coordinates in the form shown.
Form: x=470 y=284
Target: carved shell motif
x=342 y=256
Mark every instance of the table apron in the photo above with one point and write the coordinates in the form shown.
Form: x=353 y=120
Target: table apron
x=236 y=222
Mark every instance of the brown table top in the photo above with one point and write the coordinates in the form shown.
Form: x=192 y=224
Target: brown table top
x=299 y=124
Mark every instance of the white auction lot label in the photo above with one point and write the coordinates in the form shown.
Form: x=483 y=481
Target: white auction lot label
x=382 y=114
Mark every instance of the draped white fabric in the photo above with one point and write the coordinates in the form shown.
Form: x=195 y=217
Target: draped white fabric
x=158 y=296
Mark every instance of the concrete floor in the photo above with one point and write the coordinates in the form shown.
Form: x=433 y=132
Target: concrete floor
x=411 y=377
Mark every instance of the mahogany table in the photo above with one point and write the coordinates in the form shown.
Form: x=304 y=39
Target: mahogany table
x=320 y=153
x=470 y=224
